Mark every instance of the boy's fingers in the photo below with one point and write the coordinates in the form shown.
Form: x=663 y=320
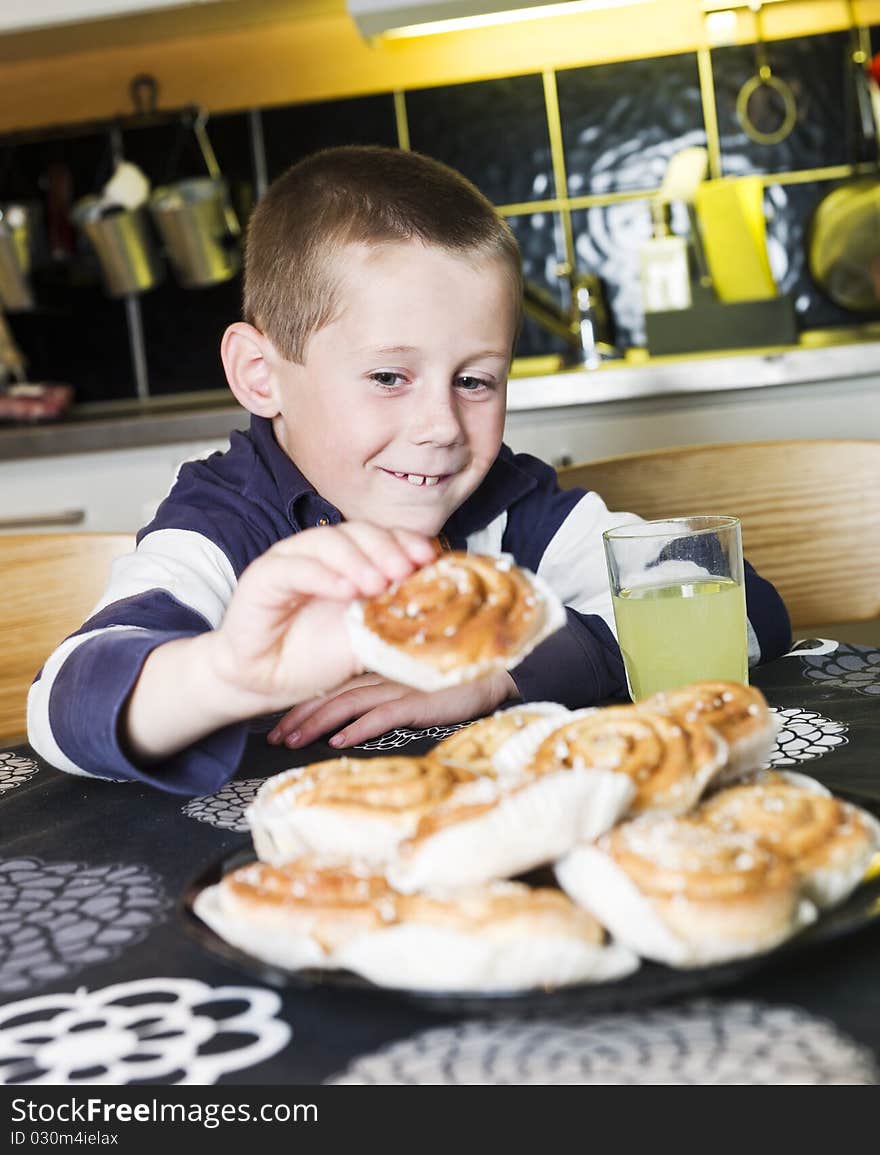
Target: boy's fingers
x=277 y=578
x=369 y=558
x=395 y=553
x=342 y=708
x=407 y=710
x=295 y=717
x=421 y=549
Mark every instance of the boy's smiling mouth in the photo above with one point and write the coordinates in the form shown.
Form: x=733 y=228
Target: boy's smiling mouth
x=420 y=479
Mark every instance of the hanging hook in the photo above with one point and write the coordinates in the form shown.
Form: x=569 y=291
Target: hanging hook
x=764 y=78
x=144 y=91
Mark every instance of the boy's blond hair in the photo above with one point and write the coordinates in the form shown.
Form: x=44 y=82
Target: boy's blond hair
x=354 y=195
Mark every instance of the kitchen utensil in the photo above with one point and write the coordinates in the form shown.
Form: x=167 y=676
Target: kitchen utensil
x=197 y=223
x=123 y=243
x=128 y=187
x=765 y=89
x=731 y=214
x=843 y=238
x=191 y=216
x=15 y=258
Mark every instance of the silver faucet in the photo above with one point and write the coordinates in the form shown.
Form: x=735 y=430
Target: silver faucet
x=584 y=327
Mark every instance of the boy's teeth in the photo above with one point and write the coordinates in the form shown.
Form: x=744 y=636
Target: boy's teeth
x=417 y=478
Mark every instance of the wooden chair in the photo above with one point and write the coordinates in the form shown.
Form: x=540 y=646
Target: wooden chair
x=810 y=512
x=49 y=582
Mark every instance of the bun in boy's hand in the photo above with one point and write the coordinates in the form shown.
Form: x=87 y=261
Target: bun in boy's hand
x=455 y=620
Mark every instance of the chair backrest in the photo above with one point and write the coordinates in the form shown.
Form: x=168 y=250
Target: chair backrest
x=49 y=583
x=810 y=512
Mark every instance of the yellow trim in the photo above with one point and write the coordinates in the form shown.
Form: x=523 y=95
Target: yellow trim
x=560 y=178
x=807 y=175
x=573 y=204
x=525 y=208
x=401 y=120
x=710 y=113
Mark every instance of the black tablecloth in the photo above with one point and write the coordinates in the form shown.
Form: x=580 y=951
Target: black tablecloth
x=100 y=982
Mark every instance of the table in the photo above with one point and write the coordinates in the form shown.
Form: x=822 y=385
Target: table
x=99 y=983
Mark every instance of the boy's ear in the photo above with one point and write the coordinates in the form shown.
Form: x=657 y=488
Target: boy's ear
x=248 y=358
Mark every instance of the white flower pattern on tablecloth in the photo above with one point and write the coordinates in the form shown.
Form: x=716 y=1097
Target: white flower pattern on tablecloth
x=849 y=668
x=698 y=1043
x=402 y=737
x=15 y=769
x=158 y=1030
x=226 y=808
x=805 y=734
x=57 y=918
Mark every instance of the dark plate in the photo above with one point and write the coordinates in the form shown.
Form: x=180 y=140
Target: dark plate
x=651 y=983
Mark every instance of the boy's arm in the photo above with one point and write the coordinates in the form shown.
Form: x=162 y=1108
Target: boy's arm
x=174 y=588
x=169 y=708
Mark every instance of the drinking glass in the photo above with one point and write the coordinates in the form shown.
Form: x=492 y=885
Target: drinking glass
x=679 y=601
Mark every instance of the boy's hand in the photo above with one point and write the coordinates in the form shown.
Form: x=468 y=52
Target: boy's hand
x=283 y=637
x=377 y=705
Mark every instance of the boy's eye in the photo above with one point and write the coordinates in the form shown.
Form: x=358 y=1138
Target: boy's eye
x=386 y=378
x=472 y=384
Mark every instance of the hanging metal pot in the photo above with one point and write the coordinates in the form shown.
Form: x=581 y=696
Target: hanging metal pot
x=843 y=239
x=191 y=218
x=123 y=244
x=197 y=223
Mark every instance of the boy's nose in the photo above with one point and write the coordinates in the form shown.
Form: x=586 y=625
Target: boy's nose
x=436 y=421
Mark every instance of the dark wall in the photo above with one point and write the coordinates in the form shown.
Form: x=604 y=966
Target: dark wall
x=620 y=125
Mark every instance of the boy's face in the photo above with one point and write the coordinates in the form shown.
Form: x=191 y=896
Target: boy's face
x=397 y=412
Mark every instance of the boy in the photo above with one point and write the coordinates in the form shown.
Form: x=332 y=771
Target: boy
x=382 y=303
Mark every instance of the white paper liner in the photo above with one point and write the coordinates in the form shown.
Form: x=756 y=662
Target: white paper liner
x=283 y=830
x=534 y=824
x=515 y=756
x=594 y=880
x=399 y=666
x=414 y=956
x=751 y=752
x=259 y=934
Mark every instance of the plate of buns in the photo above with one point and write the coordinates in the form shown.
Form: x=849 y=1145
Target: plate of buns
x=604 y=857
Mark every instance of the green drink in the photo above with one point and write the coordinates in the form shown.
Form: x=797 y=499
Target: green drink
x=676 y=634
x=678 y=590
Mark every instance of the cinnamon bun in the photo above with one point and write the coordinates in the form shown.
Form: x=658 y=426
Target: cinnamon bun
x=829 y=842
x=506 y=936
x=480 y=747
x=683 y=892
x=346 y=808
x=492 y=829
x=671 y=760
x=298 y=914
x=739 y=713
x=500 y=937
x=462 y=616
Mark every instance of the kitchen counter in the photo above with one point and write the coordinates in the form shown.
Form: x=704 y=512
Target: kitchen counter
x=209 y=416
